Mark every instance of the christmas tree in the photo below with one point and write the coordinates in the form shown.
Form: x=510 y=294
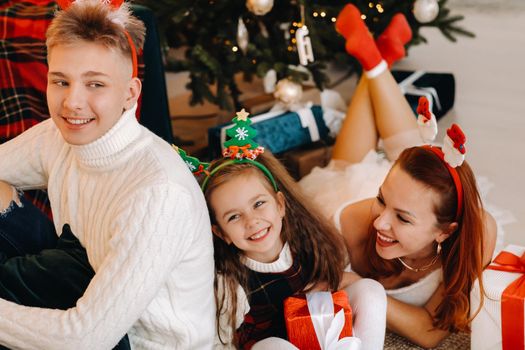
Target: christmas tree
x=225 y=38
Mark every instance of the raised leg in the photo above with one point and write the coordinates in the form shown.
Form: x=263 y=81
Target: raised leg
x=392 y=112
x=358 y=134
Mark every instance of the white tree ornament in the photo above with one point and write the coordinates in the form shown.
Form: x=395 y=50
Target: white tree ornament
x=304 y=45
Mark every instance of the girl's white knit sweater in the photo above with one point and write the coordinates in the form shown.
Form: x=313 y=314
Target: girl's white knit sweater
x=142 y=218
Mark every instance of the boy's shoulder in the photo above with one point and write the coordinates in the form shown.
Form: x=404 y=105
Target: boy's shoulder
x=160 y=163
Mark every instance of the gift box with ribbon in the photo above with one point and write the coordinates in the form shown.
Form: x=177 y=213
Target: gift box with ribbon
x=438 y=88
x=320 y=320
x=500 y=323
x=278 y=131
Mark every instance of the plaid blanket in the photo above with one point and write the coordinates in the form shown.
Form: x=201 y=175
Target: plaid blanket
x=23 y=71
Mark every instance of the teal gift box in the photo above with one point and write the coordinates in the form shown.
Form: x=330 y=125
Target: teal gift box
x=277 y=131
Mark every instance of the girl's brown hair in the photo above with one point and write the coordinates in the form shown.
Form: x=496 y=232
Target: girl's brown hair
x=462 y=251
x=313 y=241
x=93 y=21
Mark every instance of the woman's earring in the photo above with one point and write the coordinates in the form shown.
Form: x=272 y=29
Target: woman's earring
x=438 y=250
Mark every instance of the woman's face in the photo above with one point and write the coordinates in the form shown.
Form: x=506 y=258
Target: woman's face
x=250 y=216
x=405 y=223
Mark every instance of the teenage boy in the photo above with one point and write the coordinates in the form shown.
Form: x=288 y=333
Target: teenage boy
x=121 y=190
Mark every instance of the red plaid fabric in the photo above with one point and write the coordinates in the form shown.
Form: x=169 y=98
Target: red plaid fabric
x=23 y=70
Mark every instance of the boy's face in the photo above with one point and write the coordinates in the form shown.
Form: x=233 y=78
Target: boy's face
x=89 y=86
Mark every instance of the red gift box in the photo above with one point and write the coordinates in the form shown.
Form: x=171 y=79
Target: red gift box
x=298 y=318
x=512 y=300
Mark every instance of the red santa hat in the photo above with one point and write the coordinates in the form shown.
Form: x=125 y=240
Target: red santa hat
x=458 y=137
x=423 y=108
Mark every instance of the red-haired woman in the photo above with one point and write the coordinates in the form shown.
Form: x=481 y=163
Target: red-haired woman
x=425 y=236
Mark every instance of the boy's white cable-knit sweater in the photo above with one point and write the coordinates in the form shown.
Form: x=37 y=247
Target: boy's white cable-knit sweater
x=142 y=218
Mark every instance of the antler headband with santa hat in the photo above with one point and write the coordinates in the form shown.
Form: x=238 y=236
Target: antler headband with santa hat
x=452 y=154
x=115 y=5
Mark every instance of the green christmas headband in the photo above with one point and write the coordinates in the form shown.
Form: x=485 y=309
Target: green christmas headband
x=196 y=166
x=241 y=148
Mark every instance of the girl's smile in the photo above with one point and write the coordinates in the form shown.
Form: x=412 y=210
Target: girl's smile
x=249 y=215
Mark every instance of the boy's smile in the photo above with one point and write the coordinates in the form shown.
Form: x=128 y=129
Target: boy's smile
x=89 y=87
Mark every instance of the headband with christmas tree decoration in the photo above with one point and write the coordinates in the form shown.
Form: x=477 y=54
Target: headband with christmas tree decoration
x=241 y=148
x=195 y=165
x=452 y=154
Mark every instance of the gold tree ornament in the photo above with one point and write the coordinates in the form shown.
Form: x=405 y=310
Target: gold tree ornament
x=259 y=7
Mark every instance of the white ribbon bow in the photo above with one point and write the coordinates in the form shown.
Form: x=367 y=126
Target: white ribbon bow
x=327 y=326
x=304 y=111
x=334 y=110
x=407 y=87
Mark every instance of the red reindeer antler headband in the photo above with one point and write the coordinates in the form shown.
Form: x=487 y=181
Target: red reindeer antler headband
x=115 y=5
x=452 y=154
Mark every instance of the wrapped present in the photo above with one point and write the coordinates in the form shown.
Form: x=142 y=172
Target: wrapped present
x=438 y=88
x=278 y=131
x=500 y=323
x=320 y=320
x=301 y=161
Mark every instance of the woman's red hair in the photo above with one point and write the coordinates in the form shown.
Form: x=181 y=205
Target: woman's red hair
x=462 y=251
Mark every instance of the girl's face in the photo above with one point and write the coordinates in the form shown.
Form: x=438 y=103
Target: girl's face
x=405 y=223
x=249 y=215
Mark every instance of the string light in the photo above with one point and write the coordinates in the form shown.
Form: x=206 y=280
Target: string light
x=363 y=16
x=334 y=19
x=371 y=4
x=235 y=49
x=380 y=8
x=323 y=14
x=315 y=14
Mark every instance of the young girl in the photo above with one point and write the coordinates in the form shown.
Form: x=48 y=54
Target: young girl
x=270 y=244
x=426 y=236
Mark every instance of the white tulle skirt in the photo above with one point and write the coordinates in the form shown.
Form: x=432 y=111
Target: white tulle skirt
x=341 y=182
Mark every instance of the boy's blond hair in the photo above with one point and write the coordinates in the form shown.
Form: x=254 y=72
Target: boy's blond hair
x=93 y=21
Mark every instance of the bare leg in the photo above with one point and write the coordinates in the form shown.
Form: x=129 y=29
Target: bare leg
x=358 y=134
x=392 y=115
